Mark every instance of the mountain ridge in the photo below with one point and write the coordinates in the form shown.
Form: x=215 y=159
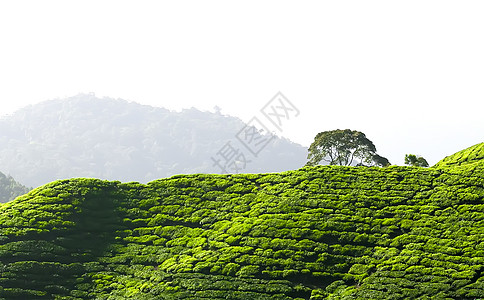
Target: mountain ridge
x=113 y=139
x=10 y=189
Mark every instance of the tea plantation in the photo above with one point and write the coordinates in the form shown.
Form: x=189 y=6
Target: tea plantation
x=325 y=232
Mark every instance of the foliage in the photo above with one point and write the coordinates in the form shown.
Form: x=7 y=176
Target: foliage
x=343 y=147
x=415 y=160
x=324 y=232
x=473 y=154
x=10 y=189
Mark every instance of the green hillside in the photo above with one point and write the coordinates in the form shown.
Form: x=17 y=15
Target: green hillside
x=10 y=189
x=467 y=156
x=325 y=232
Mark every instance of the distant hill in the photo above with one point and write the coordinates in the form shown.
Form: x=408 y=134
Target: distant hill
x=326 y=232
x=85 y=136
x=10 y=189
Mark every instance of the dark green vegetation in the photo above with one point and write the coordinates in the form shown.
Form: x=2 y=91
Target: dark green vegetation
x=10 y=189
x=344 y=148
x=415 y=161
x=325 y=232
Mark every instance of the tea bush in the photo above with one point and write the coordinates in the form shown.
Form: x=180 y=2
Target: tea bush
x=326 y=232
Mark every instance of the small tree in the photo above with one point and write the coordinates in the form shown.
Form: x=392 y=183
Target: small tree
x=415 y=160
x=344 y=147
x=380 y=161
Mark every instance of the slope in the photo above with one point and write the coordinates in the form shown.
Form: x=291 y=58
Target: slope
x=473 y=154
x=324 y=232
x=86 y=136
x=10 y=189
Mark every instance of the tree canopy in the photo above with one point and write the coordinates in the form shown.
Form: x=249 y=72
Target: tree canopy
x=344 y=147
x=415 y=160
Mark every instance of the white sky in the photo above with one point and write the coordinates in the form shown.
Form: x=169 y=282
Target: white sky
x=409 y=74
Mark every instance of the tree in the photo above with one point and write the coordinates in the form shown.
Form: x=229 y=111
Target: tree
x=380 y=160
x=415 y=160
x=344 y=147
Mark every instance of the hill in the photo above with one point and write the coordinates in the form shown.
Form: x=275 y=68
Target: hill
x=473 y=154
x=326 y=232
x=10 y=189
x=113 y=139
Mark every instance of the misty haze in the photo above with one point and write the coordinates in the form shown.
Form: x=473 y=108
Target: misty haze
x=85 y=136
